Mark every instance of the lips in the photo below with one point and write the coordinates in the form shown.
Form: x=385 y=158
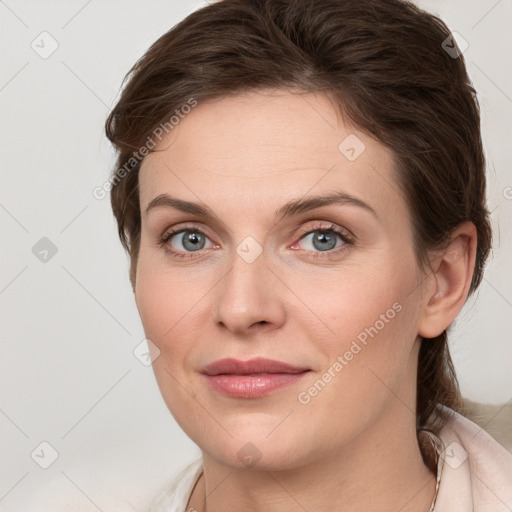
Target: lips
x=253 y=366
x=255 y=378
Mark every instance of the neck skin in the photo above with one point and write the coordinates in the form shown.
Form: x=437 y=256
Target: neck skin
x=380 y=470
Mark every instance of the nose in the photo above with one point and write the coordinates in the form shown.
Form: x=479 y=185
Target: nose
x=249 y=297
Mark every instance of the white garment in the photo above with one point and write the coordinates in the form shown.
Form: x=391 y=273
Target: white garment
x=476 y=474
x=482 y=482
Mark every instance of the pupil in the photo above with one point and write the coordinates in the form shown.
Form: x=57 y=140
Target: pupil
x=325 y=241
x=192 y=241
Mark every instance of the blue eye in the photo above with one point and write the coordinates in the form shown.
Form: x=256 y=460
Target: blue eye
x=322 y=241
x=191 y=239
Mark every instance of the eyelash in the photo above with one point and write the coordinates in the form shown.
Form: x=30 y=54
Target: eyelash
x=330 y=254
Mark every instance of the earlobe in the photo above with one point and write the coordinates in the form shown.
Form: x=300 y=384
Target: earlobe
x=453 y=272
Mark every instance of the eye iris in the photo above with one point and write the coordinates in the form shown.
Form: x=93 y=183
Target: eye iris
x=195 y=239
x=327 y=241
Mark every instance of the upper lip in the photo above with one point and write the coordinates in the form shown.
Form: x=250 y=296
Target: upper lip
x=257 y=365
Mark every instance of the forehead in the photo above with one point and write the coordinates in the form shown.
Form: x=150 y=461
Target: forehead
x=278 y=145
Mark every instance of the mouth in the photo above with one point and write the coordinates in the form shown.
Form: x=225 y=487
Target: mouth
x=255 y=378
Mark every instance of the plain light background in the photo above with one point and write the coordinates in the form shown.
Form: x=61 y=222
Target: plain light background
x=69 y=325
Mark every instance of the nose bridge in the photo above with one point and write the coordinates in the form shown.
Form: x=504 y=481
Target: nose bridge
x=246 y=296
x=242 y=285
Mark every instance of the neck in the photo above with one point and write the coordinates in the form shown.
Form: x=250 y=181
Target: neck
x=382 y=469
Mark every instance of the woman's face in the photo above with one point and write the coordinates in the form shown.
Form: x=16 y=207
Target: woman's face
x=331 y=287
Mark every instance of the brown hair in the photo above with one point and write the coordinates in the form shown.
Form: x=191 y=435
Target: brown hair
x=388 y=67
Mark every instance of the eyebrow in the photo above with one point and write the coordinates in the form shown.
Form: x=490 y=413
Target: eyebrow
x=291 y=208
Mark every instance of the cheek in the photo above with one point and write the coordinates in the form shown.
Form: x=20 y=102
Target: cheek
x=158 y=295
x=151 y=302
x=163 y=313
x=160 y=311
x=359 y=301
x=169 y=305
x=372 y=317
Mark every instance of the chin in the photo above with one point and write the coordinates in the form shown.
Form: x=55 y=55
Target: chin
x=255 y=450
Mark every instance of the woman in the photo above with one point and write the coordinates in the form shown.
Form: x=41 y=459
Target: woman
x=301 y=189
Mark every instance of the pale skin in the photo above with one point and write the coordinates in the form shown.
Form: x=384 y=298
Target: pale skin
x=353 y=447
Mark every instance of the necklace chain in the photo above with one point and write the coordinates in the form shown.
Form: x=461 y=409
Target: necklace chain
x=437 y=449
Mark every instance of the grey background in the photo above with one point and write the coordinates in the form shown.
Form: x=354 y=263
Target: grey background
x=69 y=324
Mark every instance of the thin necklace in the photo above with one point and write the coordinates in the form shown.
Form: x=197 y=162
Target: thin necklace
x=437 y=449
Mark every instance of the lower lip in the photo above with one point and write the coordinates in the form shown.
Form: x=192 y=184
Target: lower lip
x=252 y=386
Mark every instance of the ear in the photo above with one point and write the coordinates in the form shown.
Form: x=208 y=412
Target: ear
x=453 y=270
